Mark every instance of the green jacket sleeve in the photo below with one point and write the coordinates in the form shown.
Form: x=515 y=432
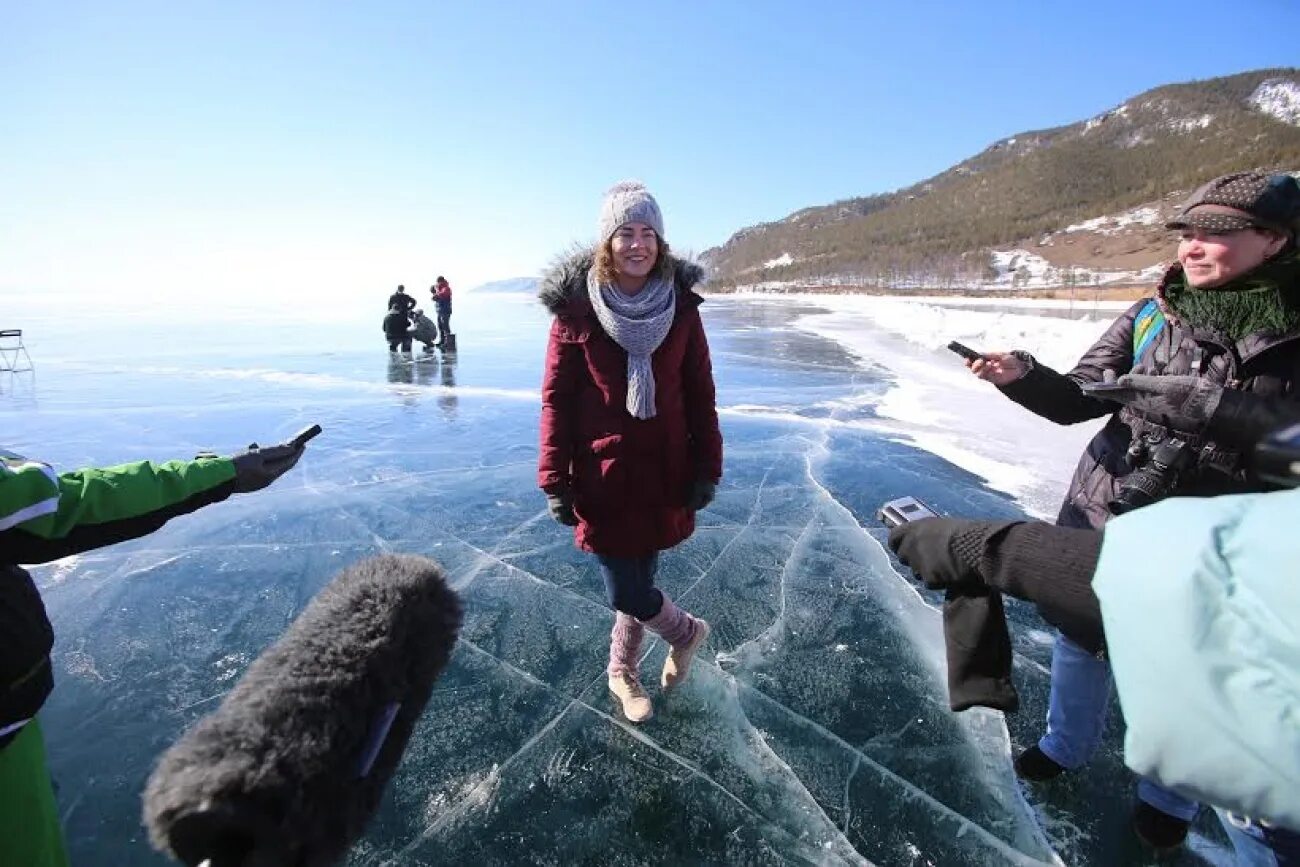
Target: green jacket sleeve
x=44 y=517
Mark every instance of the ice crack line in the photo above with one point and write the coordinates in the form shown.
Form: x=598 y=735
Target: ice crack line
x=1013 y=856
x=773 y=631
x=476 y=795
x=847 y=807
x=754 y=512
x=487 y=558
x=775 y=758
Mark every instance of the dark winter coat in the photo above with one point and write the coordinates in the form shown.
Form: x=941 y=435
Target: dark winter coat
x=396 y=325
x=1258 y=372
x=424 y=330
x=403 y=302
x=629 y=478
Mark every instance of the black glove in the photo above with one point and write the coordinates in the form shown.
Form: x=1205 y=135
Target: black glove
x=701 y=494
x=1184 y=403
x=946 y=554
x=943 y=552
x=561 y=508
x=258 y=467
x=1049 y=566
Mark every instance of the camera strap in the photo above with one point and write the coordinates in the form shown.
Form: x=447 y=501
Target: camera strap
x=1227 y=461
x=1209 y=454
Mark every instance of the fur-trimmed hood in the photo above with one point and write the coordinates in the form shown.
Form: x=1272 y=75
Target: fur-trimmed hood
x=563 y=287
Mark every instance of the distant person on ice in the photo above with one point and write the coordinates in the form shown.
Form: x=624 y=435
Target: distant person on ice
x=397 y=329
x=424 y=330
x=1201 y=361
x=45 y=516
x=441 y=291
x=630 y=445
x=399 y=299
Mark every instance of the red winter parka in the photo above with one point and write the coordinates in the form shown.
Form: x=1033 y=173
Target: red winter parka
x=630 y=478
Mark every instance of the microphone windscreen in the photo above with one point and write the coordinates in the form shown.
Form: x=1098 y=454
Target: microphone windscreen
x=291 y=766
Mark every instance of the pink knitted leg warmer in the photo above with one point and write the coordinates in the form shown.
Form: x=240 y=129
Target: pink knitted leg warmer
x=625 y=644
x=672 y=624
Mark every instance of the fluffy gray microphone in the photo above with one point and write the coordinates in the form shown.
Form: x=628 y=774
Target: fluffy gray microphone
x=292 y=765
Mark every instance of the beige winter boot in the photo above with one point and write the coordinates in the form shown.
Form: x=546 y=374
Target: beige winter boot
x=678 y=663
x=628 y=690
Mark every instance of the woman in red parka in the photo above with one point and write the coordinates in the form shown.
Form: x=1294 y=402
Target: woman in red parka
x=630 y=446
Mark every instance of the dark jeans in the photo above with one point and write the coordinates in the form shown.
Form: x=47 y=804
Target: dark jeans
x=630 y=584
x=444 y=325
x=404 y=342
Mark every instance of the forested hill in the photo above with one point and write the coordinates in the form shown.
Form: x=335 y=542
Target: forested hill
x=1086 y=198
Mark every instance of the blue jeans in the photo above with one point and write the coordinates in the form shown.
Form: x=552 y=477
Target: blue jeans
x=1259 y=845
x=1076 y=719
x=630 y=584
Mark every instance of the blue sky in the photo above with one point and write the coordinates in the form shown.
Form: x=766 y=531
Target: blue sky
x=333 y=150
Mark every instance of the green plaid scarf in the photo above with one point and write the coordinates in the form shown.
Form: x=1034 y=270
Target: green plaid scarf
x=1265 y=301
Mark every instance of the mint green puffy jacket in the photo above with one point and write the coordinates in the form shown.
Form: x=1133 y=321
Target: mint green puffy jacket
x=1201 y=604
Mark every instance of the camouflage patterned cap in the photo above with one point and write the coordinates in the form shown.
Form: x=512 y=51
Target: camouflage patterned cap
x=1242 y=200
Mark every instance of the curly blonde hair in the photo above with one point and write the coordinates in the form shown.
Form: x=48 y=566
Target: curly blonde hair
x=603 y=264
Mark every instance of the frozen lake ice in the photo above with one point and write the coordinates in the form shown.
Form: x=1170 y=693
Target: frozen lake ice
x=814 y=728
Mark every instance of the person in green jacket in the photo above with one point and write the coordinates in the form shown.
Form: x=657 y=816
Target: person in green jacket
x=44 y=516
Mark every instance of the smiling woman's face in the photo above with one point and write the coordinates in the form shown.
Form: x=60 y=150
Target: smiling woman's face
x=636 y=251
x=1211 y=259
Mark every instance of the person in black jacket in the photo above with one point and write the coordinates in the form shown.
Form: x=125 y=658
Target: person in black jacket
x=403 y=302
x=397 y=329
x=1201 y=366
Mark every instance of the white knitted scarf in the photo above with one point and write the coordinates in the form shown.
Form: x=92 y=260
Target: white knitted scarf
x=638 y=323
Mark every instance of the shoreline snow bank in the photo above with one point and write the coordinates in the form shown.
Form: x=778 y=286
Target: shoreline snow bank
x=940 y=407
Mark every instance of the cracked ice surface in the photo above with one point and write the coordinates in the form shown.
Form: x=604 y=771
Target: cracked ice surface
x=814 y=728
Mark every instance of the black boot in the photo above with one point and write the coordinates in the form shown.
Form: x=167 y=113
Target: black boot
x=1157 y=829
x=1035 y=765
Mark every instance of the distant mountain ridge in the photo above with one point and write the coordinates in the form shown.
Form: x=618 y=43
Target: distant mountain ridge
x=513 y=285
x=1079 y=203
